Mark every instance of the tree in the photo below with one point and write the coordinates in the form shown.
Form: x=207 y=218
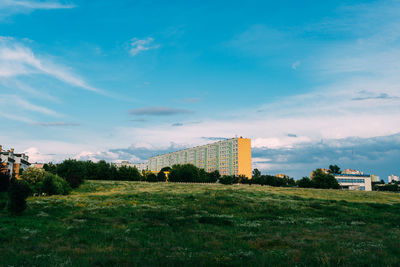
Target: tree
x=324 y=180
x=50 y=167
x=256 y=174
x=161 y=177
x=72 y=171
x=304 y=182
x=334 y=169
x=103 y=170
x=33 y=175
x=151 y=177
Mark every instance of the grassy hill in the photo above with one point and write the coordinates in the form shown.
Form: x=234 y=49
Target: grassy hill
x=107 y=223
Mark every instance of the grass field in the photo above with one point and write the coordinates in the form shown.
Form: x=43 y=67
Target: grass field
x=106 y=223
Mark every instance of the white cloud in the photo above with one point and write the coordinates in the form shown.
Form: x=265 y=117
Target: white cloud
x=17 y=60
x=139 y=45
x=10 y=7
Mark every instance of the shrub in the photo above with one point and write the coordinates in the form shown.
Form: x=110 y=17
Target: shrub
x=161 y=177
x=55 y=185
x=33 y=175
x=229 y=179
x=304 y=182
x=17 y=194
x=151 y=177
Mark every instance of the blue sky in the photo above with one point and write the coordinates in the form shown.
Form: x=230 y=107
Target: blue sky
x=311 y=83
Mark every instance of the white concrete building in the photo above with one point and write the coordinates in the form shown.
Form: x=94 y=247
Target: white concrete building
x=393 y=178
x=13 y=161
x=354 y=181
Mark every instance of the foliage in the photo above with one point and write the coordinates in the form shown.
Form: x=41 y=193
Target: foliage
x=334 y=169
x=55 y=185
x=324 y=180
x=192 y=174
x=270 y=180
x=151 y=177
x=394 y=187
x=33 y=175
x=18 y=192
x=72 y=171
x=304 y=182
x=229 y=179
x=161 y=177
x=50 y=167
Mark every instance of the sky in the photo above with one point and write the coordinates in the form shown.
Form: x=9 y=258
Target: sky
x=312 y=83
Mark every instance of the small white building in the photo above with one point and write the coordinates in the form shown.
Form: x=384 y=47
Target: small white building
x=393 y=178
x=354 y=181
x=14 y=161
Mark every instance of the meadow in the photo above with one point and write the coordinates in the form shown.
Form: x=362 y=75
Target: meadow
x=111 y=223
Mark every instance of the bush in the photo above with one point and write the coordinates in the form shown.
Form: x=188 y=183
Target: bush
x=33 y=175
x=229 y=179
x=55 y=185
x=17 y=194
x=304 y=182
x=161 y=177
x=151 y=177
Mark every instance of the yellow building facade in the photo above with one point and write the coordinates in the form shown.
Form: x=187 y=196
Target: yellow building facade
x=229 y=157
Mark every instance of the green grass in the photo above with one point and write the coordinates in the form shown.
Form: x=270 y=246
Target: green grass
x=106 y=223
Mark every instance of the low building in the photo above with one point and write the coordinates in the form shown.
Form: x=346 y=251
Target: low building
x=393 y=178
x=139 y=166
x=14 y=162
x=354 y=181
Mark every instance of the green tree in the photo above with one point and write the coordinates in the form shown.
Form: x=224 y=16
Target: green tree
x=304 y=182
x=72 y=171
x=33 y=175
x=334 y=169
x=256 y=174
x=324 y=180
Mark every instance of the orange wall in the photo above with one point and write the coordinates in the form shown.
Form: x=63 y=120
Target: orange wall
x=244 y=157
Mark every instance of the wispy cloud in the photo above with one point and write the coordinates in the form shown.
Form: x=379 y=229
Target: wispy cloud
x=57 y=124
x=159 y=111
x=17 y=59
x=35 y=4
x=139 y=45
x=10 y=7
x=295 y=65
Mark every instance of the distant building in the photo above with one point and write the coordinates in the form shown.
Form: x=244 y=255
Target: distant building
x=354 y=181
x=37 y=165
x=13 y=161
x=139 y=166
x=351 y=171
x=281 y=175
x=375 y=178
x=229 y=157
x=393 y=178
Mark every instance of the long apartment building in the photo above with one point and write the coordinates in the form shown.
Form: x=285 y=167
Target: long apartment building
x=229 y=157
